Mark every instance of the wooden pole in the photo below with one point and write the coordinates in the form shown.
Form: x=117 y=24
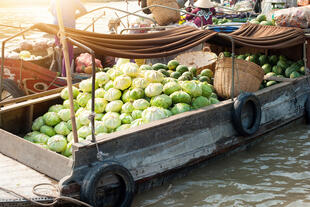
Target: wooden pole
x=68 y=69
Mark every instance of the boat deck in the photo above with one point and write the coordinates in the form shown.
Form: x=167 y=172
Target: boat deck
x=21 y=179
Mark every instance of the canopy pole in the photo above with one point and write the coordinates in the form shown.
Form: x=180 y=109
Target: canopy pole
x=68 y=69
x=232 y=68
x=307 y=72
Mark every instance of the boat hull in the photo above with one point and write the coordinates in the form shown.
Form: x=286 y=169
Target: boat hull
x=155 y=151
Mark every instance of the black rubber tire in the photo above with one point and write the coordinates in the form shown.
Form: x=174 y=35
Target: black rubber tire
x=240 y=102
x=307 y=109
x=90 y=181
x=11 y=87
x=144 y=4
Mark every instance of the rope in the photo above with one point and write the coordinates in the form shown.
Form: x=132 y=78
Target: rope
x=56 y=198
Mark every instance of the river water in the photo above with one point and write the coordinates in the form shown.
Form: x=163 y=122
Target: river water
x=274 y=172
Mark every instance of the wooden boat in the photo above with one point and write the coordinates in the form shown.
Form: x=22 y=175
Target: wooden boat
x=151 y=152
x=120 y=164
x=30 y=77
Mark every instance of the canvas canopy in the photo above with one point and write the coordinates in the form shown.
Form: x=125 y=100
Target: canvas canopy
x=173 y=41
x=268 y=37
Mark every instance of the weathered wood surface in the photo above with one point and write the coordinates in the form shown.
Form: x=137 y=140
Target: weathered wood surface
x=19 y=178
x=34 y=156
x=33 y=96
x=13 y=118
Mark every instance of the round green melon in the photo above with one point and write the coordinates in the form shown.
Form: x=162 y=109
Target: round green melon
x=172 y=64
x=261 y=18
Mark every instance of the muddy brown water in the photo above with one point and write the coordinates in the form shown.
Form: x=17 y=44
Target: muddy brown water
x=273 y=172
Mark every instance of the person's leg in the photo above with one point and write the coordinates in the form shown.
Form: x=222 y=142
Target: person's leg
x=71 y=56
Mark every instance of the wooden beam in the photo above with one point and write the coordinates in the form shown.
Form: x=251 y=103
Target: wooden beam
x=28 y=103
x=33 y=96
x=68 y=69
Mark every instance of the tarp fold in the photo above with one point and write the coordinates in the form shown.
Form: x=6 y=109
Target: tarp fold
x=173 y=41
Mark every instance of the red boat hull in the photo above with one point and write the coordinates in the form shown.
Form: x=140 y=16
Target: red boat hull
x=30 y=77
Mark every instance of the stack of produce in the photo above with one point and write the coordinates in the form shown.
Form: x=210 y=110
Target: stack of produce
x=84 y=63
x=126 y=96
x=241 y=17
x=217 y=21
x=181 y=72
x=29 y=50
x=262 y=20
x=274 y=65
x=293 y=17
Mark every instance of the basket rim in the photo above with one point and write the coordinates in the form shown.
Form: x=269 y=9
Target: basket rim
x=257 y=71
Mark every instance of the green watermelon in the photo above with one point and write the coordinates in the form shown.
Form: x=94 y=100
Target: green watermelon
x=266 y=68
x=175 y=75
x=181 y=69
x=205 y=79
x=261 y=18
x=241 y=57
x=158 y=66
x=164 y=72
x=277 y=70
x=254 y=21
x=173 y=64
x=270 y=74
x=145 y=67
x=295 y=66
x=281 y=57
x=300 y=62
x=227 y=54
x=262 y=59
x=252 y=59
x=263 y=23
x=288 y=71
x=302 y=70
x=282 y=64
x=273 y=59
x=294 y=74
x=188 y=74
x=270 y=83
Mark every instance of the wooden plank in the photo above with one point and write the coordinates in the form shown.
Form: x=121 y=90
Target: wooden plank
x=48 y=162
x=274 y=78
x=19 y=178
x=34 y=96
x=28 y=103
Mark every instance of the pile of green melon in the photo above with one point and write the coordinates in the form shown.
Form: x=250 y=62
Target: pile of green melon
x=181 y=72
x=126 y=96
x=274 y=65
x=262 y=20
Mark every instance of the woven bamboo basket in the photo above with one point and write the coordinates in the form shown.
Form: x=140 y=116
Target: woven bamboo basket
x=247 y=76
x=164 y=16
x=199 y=59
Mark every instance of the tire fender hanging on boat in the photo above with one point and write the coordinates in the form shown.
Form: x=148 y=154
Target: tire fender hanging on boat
x=93 y=177
x=242 y=100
